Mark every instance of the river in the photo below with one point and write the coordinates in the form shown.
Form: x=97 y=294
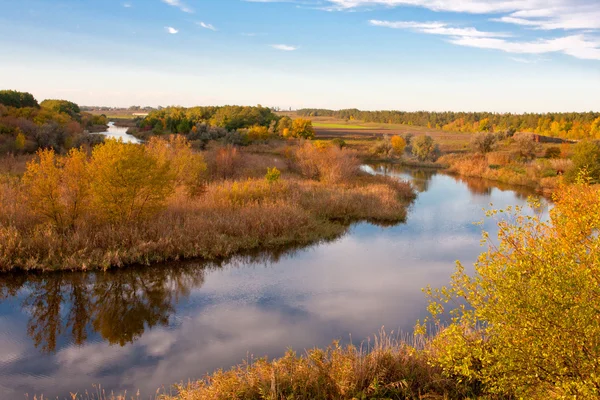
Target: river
x=144 y=328
x=118 y=132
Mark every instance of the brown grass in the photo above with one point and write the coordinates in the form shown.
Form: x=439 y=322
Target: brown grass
x=228 y=218
x=537 y=174
x=389 y=368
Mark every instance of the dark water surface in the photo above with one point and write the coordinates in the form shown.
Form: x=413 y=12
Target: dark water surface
x=143 y=328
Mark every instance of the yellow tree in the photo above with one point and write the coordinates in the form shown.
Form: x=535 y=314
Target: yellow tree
x=20 y=140
x=303 y=128
x=127 y=182
x=186 y=165
x=398 y=144
x=42 y=185
x=527 y=323
x=58 y=187
x=595 y=129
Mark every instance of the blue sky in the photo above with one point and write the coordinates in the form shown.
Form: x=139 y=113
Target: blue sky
x=469 y=55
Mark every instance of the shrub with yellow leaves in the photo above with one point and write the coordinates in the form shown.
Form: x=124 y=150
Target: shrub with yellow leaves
x=527 y=323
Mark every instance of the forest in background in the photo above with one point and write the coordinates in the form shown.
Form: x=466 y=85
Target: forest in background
x=564 y=125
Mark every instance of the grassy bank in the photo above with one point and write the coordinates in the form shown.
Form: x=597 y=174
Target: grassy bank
x=389 y=368
x=233 y=209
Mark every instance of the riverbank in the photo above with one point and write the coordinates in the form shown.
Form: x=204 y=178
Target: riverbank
x=389 y=368
x=541 y=174
x=235 y=210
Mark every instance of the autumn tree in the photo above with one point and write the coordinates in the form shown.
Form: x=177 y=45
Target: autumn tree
x=187 y=166
x=284 y=123
x=61 y=106
x=526 y=144
x=424 y=148
x=586 y=157
x=483 y=142
x=128 y=182
x=398 y=144
x=303 y=128
x=526 y=324
x=595 y=129
x=20 y=141
x=12 y=98
x=58 y=187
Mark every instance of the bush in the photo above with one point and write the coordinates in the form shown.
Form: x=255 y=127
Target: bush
x=273 y=175
x=327 y=164
x=553 y=152
x=382 y=148
x=303 y=128
x=586 y=156
x=425 y=149
x=226 y=163
x=57 y=188
x=483 y=142
x=526 y=144
x=398 y=145
x=526 y=326
x=128 y=183
x=339 y=143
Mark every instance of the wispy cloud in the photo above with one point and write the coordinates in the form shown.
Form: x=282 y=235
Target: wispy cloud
x=284 y=47
x=206 y=26
x=171 y=30
x=541 y=14
x=437 y=28
x=179 y=4
x=127 y=5
x=580 y=17
x=578 y=46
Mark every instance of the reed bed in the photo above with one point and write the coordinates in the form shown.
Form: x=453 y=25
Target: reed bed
x=229 y=217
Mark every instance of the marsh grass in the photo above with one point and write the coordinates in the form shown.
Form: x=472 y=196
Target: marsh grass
x=539 y=174
x=388 y=367
x=229 y=217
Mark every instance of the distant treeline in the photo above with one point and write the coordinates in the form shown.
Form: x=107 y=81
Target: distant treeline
x=237 y=125
x=26 y=125
x=181 y=120
x=567 y=125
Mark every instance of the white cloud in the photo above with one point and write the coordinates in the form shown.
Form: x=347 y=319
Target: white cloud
x=436 y=28
x=578 y=46
x=206 y=26
x=179 y=4
x=171 y=30
x=540 y=14
x=127 y=5
x=284 y=47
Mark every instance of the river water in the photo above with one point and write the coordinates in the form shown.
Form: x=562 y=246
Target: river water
x=118 y=132
x=145 y=328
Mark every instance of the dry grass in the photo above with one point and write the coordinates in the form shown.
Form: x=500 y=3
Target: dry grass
x=388 y=368
x=326 y=163
x=539 y=174
x=228 y=218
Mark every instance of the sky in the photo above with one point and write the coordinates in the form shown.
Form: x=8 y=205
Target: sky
x=435 y=55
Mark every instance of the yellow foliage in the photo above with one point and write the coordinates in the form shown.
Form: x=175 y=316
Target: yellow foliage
x=529 y=323
x=303 y=128
x=127 y=182
x=20 y=140
x=258 y=132
x=398 y=144
x=57 y=187
x=187 y=166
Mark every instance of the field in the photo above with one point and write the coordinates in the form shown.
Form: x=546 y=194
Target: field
x=361 y=134
x=116 y=113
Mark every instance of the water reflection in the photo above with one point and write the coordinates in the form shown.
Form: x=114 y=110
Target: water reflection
x=119 y=133
x=140 y=328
